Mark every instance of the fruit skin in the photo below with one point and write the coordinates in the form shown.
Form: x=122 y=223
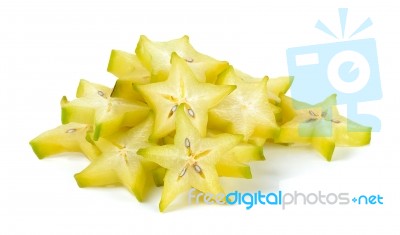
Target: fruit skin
x=95 y=107
x=191 y=161
x=119 y=162
x=320 y=125
x=246 y=110
x=129 y=70
x=155 y=56
x=181 y=87
x=71 y=137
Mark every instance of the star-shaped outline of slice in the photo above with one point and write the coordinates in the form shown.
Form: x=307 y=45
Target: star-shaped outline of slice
x=181 y=87
x=119 y=162
x=321 y=125
x=190 y=161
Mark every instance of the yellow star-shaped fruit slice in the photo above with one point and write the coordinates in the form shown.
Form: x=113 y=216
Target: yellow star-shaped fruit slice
x=119 y=162
x=181 y=87
x=191 y=160
x=321 y=125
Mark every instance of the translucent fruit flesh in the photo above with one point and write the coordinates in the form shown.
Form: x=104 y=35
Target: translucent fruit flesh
x=190 y=161
x=320 y=125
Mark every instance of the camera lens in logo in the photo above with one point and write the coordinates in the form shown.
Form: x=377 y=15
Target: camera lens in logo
x=348 y=71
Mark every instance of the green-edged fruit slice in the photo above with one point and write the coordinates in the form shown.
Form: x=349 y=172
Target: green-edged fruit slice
x=129 y=70
x=181 y=87
x=107 y=114
x=71 y=137
x=191 y=161
x=119 y=162
x=321 y=126
x=245 y=111
x=156 y=58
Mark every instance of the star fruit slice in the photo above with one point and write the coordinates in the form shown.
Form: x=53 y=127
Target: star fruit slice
x=245 y=111
x=191 y=161
x=71 y=137
x=119 y=162
x=321 y=125
x=181 y=87
x=129 y=70
x=156 y=58
x=94 y=106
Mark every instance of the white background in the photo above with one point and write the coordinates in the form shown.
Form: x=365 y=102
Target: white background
x=47 y=46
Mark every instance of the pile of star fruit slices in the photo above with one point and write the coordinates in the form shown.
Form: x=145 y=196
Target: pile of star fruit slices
x=183 y=119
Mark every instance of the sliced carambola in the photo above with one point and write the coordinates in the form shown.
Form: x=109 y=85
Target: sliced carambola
x=181 y=87
x=71 y=137
x=119 y=163
x=156 y=58
x=191 y=160
x=320 y=125
x=107 y=114
x=245 y=111
x=129 y=70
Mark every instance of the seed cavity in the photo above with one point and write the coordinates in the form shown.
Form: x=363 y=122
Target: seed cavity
x=183 y=172
x=197 y=168
x=191 y=113
x=310 y=120
x=72 y=130
x=312 y=113
x=187 y=143
x=189 y=60
x=100 y=93
x=173 y=110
